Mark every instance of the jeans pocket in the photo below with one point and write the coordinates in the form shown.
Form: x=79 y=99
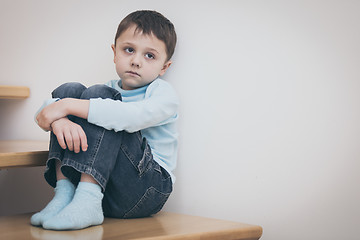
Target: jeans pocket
x=150 y=203
x=141 y=158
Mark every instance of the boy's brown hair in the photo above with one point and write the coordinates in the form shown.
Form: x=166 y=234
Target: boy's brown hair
x=151 y=22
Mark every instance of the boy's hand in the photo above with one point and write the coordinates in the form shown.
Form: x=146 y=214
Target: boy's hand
x=69 y=135
x=51 y=113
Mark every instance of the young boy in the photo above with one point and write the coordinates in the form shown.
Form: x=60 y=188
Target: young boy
x=113 y=147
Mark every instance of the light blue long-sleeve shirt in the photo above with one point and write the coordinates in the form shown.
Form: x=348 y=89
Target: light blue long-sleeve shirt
x=152 y=110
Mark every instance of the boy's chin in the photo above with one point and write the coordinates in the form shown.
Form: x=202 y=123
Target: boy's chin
x=131 y=84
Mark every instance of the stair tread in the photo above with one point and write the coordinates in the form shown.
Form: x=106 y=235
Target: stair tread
x=14 y=92
x=164 y=225
x=23 y=153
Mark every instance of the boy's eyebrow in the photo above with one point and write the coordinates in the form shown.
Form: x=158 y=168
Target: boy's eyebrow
x=127 y=43
x=153 y=50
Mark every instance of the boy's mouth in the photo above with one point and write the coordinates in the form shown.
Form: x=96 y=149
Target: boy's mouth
x=133 y=73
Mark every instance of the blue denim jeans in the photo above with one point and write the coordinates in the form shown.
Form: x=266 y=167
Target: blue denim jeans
x=133 y=183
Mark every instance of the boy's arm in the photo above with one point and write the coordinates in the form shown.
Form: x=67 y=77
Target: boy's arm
x=159 y=108
x=61 y=109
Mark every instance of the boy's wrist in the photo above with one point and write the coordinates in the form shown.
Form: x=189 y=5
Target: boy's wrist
x=76 y=107
x=65 y=106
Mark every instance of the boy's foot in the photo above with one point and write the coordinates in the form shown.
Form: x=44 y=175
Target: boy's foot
x=84 y=210
x=64 y=193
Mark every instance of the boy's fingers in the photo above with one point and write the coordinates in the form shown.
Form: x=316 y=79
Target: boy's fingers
x=76 y=142
x=60 y=138
x=75 y=139
x=69 y=140
x=83 y=140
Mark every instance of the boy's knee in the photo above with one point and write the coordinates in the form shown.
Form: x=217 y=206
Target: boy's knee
x=101 y=91
x=69 y=90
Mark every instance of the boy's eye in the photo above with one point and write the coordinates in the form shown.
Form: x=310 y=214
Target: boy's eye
x=129 y=50
x=150 y=56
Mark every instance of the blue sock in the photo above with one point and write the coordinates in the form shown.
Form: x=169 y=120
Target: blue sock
x=84 y=210
x=64 y=193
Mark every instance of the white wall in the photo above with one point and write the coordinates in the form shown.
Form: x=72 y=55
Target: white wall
x=270 y=102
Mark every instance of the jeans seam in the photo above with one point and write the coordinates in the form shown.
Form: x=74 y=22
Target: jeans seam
x=126 y=152
x=97 y=145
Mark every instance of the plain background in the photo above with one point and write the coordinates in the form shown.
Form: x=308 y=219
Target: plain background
x=270 y=104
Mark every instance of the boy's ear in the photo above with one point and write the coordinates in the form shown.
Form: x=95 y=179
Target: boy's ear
x=113 y=48
x=165 y=67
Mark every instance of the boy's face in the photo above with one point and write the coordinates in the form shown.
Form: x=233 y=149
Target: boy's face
x=139 y=58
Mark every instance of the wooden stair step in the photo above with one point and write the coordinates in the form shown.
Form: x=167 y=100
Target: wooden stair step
x=14 y=92
x=23 y=153
x=163 y=226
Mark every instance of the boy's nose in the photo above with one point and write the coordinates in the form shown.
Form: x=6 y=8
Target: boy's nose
x=133 y=64
x=135 y=61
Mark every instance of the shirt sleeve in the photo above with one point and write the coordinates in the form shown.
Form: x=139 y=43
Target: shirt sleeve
x=159 y=107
